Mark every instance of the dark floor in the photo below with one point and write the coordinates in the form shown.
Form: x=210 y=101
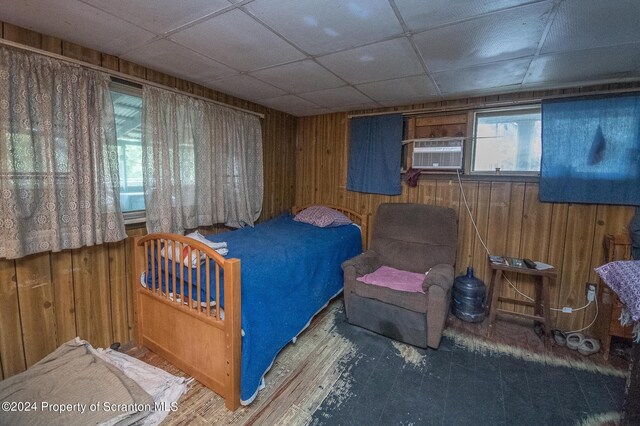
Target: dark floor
x=457 y=387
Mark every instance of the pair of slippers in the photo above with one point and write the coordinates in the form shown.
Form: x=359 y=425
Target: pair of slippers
x=577 y=342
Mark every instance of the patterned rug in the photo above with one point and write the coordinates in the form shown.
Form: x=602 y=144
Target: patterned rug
x=467 y=381
x=339 y=374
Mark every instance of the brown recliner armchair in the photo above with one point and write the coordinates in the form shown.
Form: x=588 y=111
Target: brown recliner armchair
x=409 y=237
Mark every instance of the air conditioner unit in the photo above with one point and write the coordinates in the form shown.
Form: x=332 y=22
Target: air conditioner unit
x=438 y=153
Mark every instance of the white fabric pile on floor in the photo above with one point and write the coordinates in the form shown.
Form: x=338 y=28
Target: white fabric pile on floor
x=79 y=385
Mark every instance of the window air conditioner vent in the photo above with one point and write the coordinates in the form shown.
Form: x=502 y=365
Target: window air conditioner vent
x=438 y=153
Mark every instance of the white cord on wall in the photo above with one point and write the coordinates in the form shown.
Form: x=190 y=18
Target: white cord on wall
x=568 y=310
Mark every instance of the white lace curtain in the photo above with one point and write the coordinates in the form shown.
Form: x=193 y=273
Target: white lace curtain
x=202 y=163
x=59 y=183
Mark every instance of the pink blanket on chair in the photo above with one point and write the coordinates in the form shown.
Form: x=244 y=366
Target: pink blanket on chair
x=395 y=279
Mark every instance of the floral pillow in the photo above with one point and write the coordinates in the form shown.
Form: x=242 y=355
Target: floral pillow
x=323 y=217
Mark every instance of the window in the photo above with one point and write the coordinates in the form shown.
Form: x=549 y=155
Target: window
x=507 y=141
x=127 y=105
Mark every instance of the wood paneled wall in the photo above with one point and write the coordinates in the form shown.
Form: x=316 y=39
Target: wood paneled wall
x=49 y=298
x=509 y=216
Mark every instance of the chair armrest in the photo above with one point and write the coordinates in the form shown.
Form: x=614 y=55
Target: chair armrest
x=440 y=275
x=363 y=264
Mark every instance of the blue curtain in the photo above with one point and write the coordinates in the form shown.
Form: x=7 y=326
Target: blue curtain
x=375 y=146
x=591 y=150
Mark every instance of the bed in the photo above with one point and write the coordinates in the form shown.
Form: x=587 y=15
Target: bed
x=274 y=279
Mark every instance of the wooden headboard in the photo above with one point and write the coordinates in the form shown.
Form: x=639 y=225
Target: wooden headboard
x=361 y=219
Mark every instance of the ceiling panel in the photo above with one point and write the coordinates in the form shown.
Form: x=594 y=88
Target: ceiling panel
x=496 y=77
x=171 y=58
x=159 y=16
x=613 y=63
x=299 y=77
x=504 y=35
x=237 y=40
x=400 y=91
x=380 y=61
x=337 y=97
x=76 y=22
x=319 y=27
x=354 y=54
x=421 y=14
x=583 y=24
x=293 y=105
x=246 y=87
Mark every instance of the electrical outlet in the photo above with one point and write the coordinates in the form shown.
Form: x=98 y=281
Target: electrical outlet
x=591 y=291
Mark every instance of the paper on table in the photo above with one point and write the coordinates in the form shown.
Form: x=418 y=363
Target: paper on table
x=542 y=266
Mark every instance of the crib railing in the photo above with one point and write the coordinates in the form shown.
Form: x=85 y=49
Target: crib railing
x=179 y=319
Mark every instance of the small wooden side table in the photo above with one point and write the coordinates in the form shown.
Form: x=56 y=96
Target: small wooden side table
x=541 y=303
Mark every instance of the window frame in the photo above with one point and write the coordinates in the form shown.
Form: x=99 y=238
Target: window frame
x=131 y=89
x=471 y=151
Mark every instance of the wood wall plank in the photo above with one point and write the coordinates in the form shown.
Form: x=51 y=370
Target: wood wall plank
x=11 y=346
x=35 y=295
x=118 y=284
x=22 y=36
x=64 y=299
x=576 y=261
x=92 y=298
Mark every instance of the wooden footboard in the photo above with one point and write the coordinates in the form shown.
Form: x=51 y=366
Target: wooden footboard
x=194 y=335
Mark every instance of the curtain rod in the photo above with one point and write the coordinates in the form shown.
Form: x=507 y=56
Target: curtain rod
x=121 y=75
x=497 y=104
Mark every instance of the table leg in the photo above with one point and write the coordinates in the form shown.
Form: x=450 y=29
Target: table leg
x=547 y=309
x=495 y=293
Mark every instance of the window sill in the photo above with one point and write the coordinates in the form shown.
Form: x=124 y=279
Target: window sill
x=478 y=177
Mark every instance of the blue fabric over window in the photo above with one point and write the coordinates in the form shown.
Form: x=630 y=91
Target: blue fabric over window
x=591 y=150
x=375 y=146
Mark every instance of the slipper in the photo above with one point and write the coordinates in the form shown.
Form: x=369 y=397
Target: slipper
x=574 y=340
x=559 y=337
x=589 y=346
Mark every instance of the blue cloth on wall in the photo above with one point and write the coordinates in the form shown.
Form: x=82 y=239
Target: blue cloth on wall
x=375 y=146
x=591 y=150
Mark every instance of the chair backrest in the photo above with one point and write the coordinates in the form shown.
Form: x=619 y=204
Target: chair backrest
x=415 y=237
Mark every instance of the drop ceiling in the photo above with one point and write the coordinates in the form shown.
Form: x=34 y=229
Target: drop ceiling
x=309 y=57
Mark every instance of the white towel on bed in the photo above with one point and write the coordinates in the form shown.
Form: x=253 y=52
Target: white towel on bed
x=183 y=254
x=220 y=247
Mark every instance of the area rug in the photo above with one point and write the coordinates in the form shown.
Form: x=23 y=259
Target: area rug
x=339 y=374
x=467 y=381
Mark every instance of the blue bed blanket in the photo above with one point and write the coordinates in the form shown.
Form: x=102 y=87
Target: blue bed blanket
x=289 y=270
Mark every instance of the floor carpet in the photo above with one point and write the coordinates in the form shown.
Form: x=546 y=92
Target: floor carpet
x=388 y=383
x=339 y=374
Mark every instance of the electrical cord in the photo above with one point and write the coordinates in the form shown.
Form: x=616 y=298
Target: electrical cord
x=473 y=222
x=592 y=322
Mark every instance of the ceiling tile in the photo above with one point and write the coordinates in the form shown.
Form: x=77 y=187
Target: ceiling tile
x=583 y=24
x=290 y=103
x=320 y=27
x=171 y=58
x=509 y=34
x=159 y=16
x=237 y=40
x=337 y=97
x=420 y=14
x=76 y=22
x=575 y=67
x=380 y=61
x=356 y=107
x=299 y=77
x=400 y=90
x=245 y=87
x=485 y=78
